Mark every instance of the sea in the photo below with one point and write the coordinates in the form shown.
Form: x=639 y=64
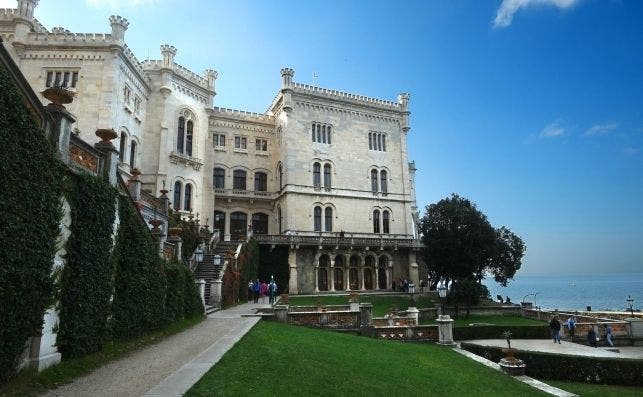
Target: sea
x=573 y=291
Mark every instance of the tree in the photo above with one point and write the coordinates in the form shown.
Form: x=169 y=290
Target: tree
x=459 y=243
x=468 y=291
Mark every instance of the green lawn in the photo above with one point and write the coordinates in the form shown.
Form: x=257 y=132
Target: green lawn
x=381 y=303
x=274 y=359
x=592 y=390
x=31 y=383
x=491 y=319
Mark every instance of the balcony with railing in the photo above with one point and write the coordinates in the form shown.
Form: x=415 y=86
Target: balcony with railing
x=242 y=193
x=342 y=240
x=188 y=161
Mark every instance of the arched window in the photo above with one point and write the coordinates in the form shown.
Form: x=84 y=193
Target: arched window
x=180 y=135
x=323 y=134
x=382 y=267
x=318 y=132
x=327 y=176
x=122 y=147
x=370 y=141
x=379 y=141
x=313 y=131
x=279 y=219
x=177 y=195
x=328 y=132
x=374 y=181
x=383 y=142
x=259 y=223
x=383 y=180
x=218 y=176
x=386 y=222
x=132 y=155
x=188 y=138
x=328 y=219
x=281 y=177
x=317 y=216
x=322 y=276
x=317 y=175
x=219 y=222
x=187 y=203
x=376 y=221
x=261 y=182
x=239 y=180
x=238 y=226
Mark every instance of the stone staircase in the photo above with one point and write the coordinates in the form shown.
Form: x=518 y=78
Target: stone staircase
x=208 y=270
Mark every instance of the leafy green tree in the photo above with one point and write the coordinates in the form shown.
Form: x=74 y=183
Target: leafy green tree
x=469 y=292
x=460 y=243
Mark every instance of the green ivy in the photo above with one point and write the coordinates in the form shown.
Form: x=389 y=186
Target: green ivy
x=247 y=266
x=190 y=237
x=139 y=280
x=85 y=288
x=182 y=299
x=32 y=186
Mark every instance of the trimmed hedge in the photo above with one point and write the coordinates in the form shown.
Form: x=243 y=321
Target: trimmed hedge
x=604 y=370
x=85 y=286
x=182 y=299
x=495 y=332
x=139 y=279
x=32 y=186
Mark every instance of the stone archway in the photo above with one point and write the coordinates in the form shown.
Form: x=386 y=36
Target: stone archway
x=322 y=273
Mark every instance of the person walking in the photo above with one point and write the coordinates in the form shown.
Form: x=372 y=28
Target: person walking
x=256 y=288
x=608 y=334
x=554 y=326
x=571 y=327
x=272 y=291
x=250 y=290
x=264 y=291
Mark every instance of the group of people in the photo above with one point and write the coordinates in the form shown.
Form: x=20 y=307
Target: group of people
x=592 y=337
x=260 y=289
x=401 y=286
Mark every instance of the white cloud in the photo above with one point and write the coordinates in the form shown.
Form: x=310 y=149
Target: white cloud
x=601 y=129
x=553 y=130
x=118 y=4
x=508 y=8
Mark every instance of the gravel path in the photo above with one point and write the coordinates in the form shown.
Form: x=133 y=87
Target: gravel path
x=142 y=370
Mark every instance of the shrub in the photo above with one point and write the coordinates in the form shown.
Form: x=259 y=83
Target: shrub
x=608 y=370
x=182 y=299
x=32 y=186
x=85 y=287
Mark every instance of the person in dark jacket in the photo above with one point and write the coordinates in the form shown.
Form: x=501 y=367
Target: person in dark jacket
x=554 y=325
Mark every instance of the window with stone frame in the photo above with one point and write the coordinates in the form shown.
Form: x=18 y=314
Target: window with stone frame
x=239 y=180
x=317 y=219
x=61 y=78
x=127 y=94
x=261 y=182
x=218 y=176
x=376 y=221
x=185 y=133
x=327 y=176
x=218 y=140
x=386 y=219
x=137 y=104
x=317 y=175
x=377 y=141
x=132 y=154
x=384 y=181
x=187 y=203
x=261 y=145
x=321 y=133
x=328 y=219
x=374 y=181
x=240 y=142
x=122 y=147
x=177 y=195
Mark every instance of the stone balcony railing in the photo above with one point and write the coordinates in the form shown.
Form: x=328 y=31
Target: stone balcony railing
x=255 y=194
x=188 y=161
x=373 y=241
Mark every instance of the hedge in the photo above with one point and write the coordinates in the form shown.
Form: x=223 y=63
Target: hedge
x=85 y=286
x=182 y=299
x=495 y=332
x=32 y=186
x=139 y=279
x=605 y=370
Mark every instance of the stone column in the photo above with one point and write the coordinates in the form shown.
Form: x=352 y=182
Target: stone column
x=445 y=330
x=109 y=158
x=413 y=269
x=377 y=278
x=389 y=277
x=201 y=283
x=361 y=273
x=292 y=263
x=61 y=129
x=226 y=236
x=316 y=268
x=413 y=313
x=281 y=313
x=331 y=274
x=215 y=293
x=365 y=315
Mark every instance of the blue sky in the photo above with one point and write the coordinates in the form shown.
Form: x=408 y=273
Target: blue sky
x=533 y=109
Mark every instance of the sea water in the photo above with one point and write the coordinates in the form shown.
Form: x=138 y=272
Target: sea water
x=573 y=291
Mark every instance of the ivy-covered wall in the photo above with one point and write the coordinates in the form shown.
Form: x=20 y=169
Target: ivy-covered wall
x=139 y=279
x=29 y=226
x=85 y=287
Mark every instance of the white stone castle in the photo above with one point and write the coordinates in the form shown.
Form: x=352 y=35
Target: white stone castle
x=322 y=171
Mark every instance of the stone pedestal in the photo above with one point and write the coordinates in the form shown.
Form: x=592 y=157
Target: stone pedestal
x=414 y=313
x=445 y=330
x=365 y=315
x=281 y=313
x=636 y=327
x=353 y=306
x=201 y=284
x=215 y=293
x=512 y=366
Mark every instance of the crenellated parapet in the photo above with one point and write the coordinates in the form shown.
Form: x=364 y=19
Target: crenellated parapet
x=242 y=114
x=345 y=96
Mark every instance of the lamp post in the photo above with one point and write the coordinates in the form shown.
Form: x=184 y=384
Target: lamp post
x=442 y=291
x=630 y=302
x=411 y=292
x=198 y=254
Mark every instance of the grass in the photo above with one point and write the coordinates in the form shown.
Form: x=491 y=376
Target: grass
x=275 y=359
x=593 y=390
x=490 y=319
x=381 y=303
x=32 y=383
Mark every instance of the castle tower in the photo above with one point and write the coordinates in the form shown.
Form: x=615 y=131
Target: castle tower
x=403 y=100
x=211 y=76
x=26 y=8
x=119 y=26
x=286 y=81
x=168 y=53
x=24 y=23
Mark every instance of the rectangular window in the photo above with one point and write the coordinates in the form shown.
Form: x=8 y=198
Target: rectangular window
x=218 y=140
x=240 y=142
x=321 y=133
x=61 y=78
x=126 y=94
x=377 y=141
x=261 y=145
x=137 y=104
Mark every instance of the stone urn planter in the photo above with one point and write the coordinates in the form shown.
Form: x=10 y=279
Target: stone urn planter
x=175 y=231
x=58 y=95
x=511 y=365
x=106 y=134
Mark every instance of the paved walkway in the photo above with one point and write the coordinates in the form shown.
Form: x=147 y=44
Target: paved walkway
x=170 y=367
x=548 y=346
